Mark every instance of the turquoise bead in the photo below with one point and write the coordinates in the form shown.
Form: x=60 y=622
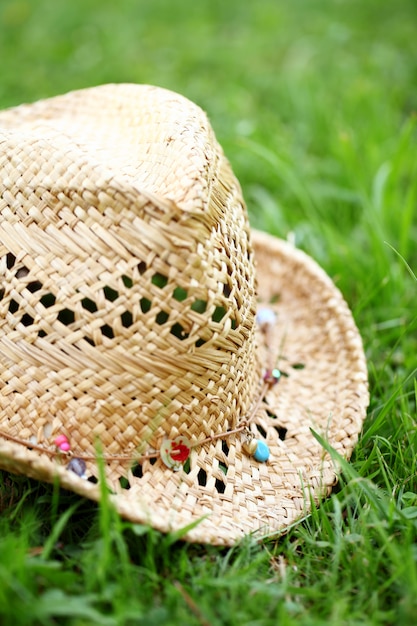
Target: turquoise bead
x=261 y=453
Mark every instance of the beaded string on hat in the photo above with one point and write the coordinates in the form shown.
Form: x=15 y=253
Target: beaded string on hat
x=174 y=453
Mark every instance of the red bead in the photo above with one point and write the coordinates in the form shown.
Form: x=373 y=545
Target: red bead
x=179 y=452
x=174 y=453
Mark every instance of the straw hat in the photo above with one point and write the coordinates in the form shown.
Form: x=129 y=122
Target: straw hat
x=135 y=338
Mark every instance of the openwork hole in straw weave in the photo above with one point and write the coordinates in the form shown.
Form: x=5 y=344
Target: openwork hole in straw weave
x=67 y=316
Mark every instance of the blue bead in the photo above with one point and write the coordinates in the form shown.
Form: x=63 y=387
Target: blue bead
x=262 y=452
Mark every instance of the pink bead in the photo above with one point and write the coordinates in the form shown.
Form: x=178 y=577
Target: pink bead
x=60 y=440
x=65 y=446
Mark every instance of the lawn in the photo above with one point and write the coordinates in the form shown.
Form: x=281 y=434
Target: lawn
x=315 y=104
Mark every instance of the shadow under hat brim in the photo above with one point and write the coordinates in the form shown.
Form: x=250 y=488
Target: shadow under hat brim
x=324 y=389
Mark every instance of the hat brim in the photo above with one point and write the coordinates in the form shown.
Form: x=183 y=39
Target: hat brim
x=226 y=494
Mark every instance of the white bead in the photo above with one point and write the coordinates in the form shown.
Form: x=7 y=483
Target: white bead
x=265 y=316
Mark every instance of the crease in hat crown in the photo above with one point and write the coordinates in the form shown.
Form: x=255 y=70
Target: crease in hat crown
x=128 y=301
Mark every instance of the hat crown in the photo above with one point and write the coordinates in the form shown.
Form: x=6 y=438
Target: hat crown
x=127 y=308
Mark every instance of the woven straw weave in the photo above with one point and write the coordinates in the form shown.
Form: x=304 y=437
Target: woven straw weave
x=127 y=315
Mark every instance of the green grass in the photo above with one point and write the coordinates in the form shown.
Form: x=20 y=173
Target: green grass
x=315 y=104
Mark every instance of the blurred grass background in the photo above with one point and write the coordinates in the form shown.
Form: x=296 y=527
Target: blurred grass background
x=315 y=105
